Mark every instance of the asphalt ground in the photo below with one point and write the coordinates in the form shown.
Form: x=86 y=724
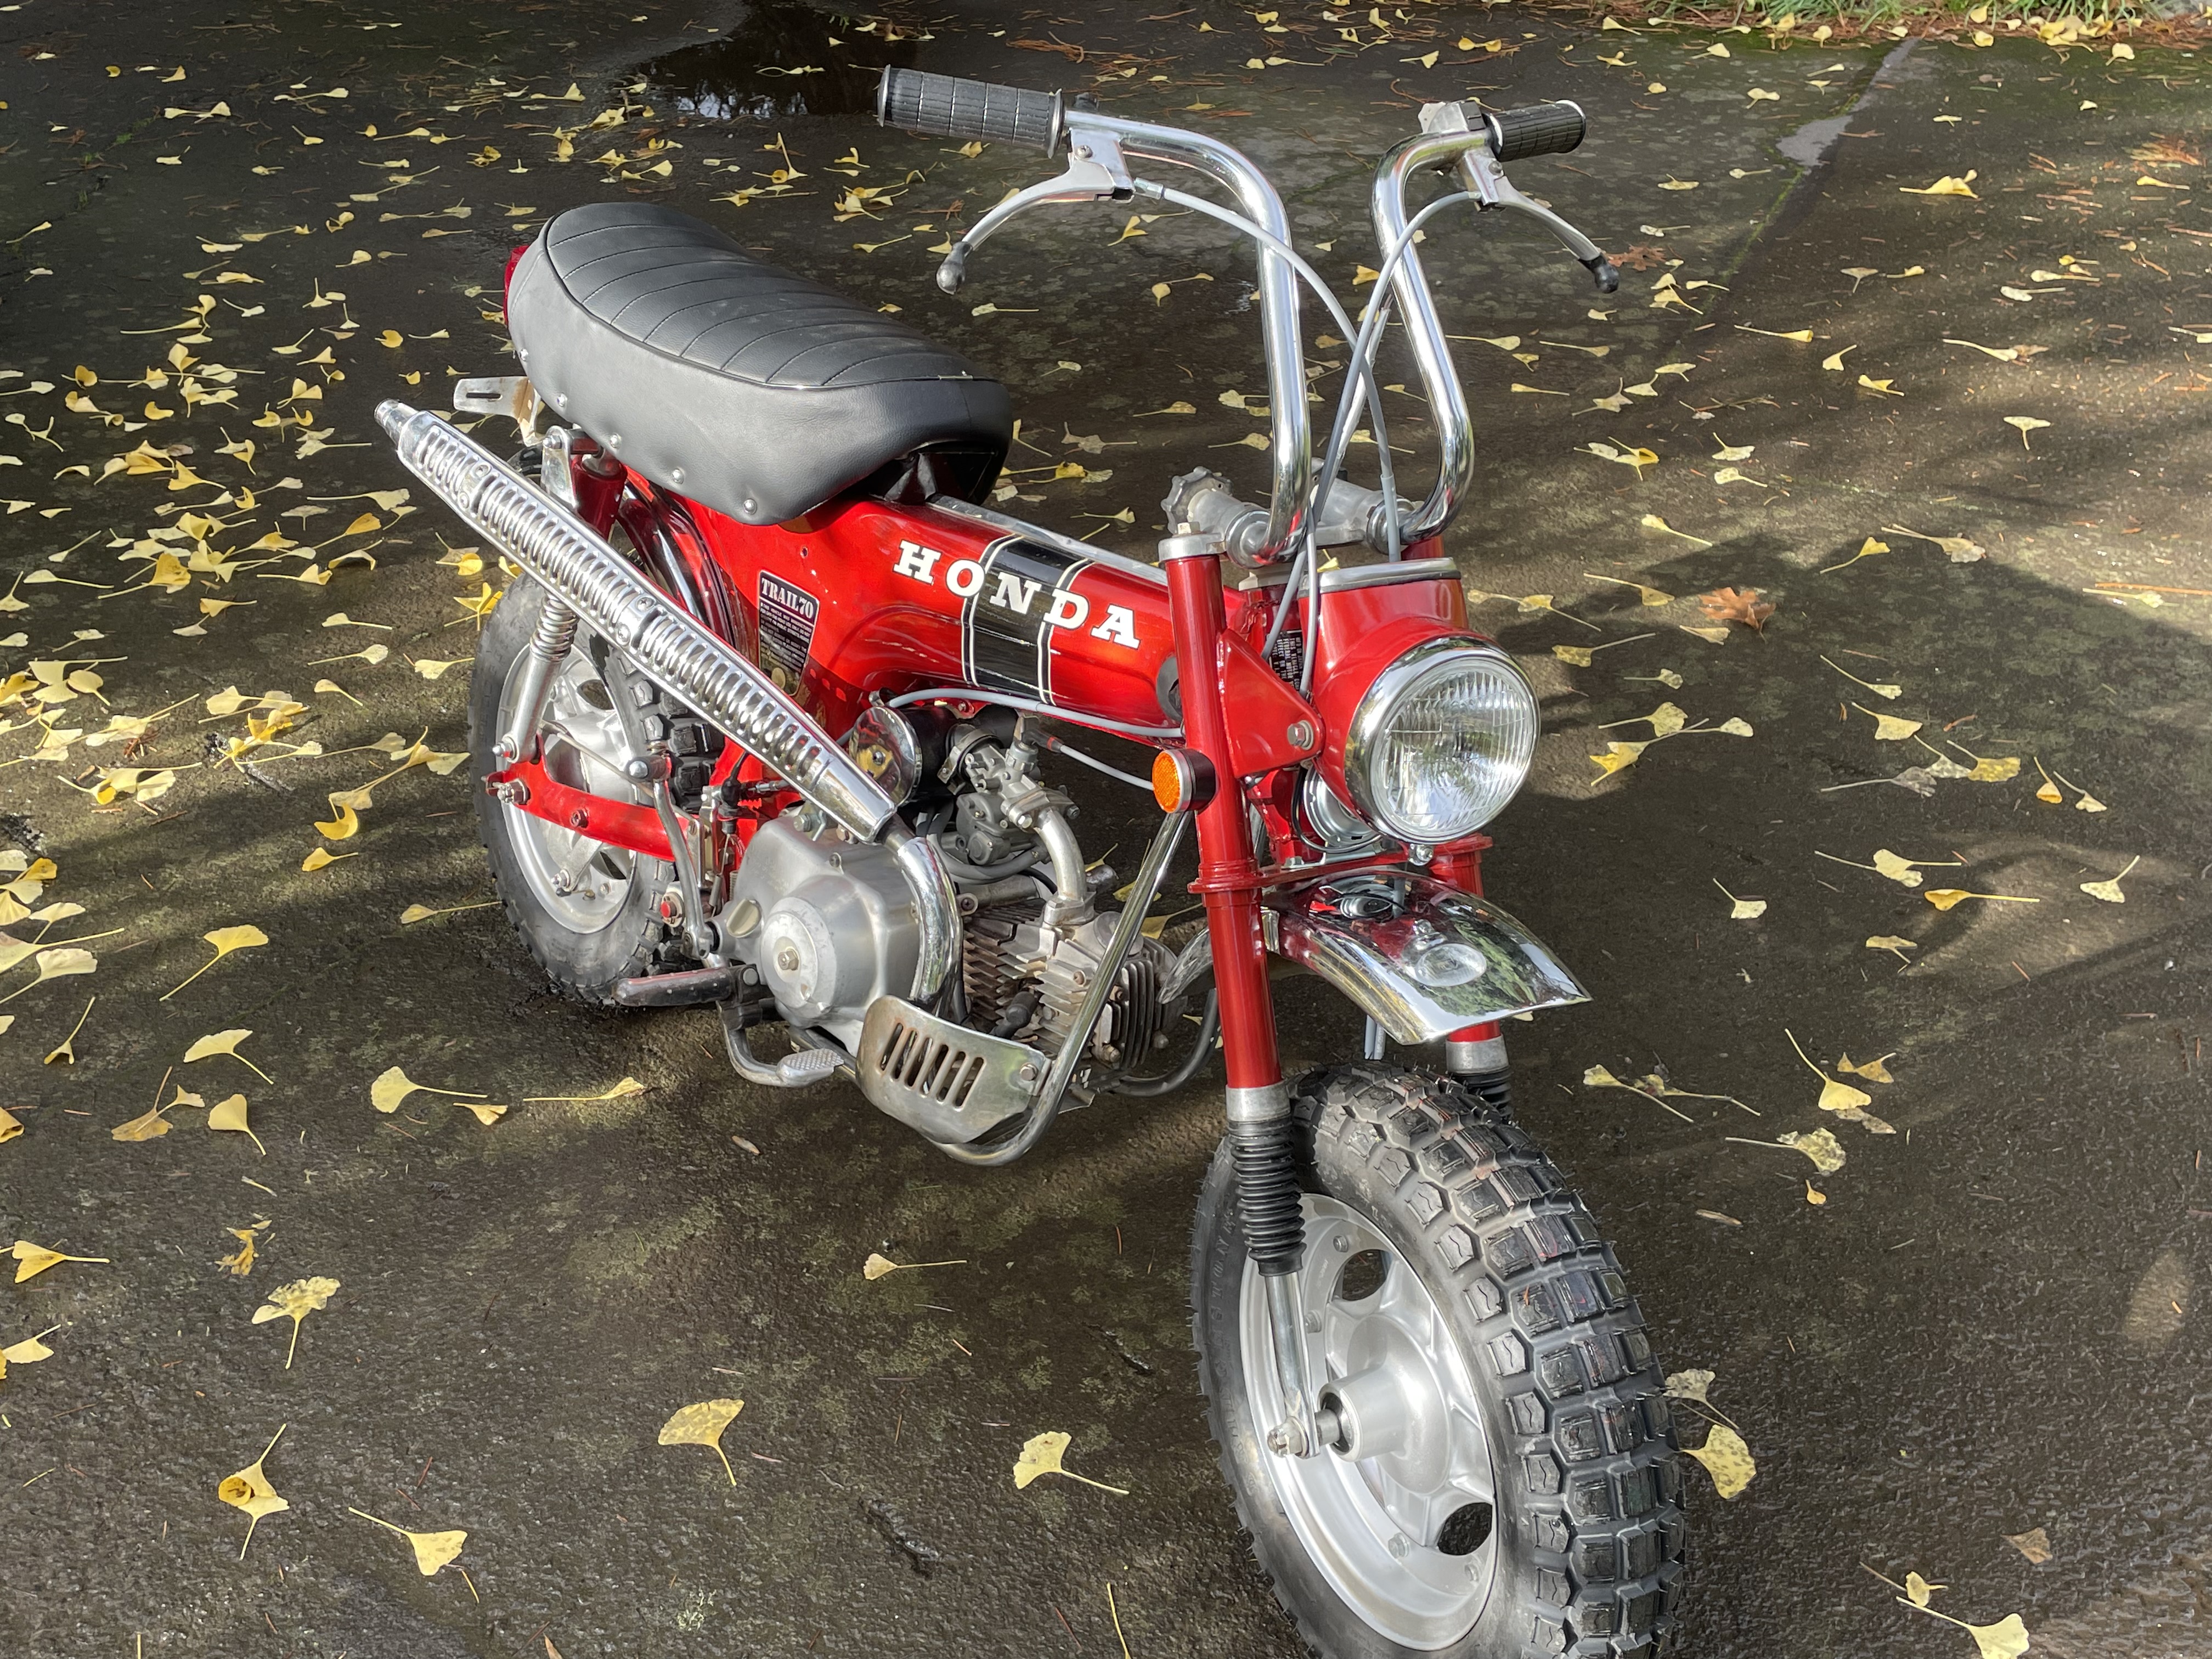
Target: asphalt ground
x=1988 y=1327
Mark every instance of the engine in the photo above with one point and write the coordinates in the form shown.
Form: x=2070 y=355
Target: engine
x=828 y=924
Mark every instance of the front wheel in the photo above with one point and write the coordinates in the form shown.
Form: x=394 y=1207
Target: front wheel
x=1505 y=1480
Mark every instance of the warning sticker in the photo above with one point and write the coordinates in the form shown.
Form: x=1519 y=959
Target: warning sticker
x=787 y=616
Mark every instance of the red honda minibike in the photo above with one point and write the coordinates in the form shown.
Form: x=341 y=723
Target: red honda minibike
x=771 y=721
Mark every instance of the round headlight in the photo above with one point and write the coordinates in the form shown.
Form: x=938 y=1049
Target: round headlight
x=1442 y=741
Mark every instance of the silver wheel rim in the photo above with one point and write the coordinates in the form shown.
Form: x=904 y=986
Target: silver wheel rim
x=583 y=883
x=1372 y=1523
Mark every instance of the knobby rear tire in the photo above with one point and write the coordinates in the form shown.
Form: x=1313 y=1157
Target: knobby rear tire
x=582 y=966
x=1588 y=1521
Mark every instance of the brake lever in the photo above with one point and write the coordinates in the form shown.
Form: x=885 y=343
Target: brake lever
x=1483 y=177
x=1095 y=173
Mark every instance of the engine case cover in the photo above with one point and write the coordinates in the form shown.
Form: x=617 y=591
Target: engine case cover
x=835 y=926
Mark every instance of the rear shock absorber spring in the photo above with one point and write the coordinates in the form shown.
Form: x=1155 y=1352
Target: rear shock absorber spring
x=1268 y=1195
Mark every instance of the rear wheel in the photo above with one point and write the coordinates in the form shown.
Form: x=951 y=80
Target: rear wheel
x=588 y=913
x=1504 y=1479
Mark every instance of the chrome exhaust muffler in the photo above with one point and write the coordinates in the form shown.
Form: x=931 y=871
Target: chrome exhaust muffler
x=667 y=646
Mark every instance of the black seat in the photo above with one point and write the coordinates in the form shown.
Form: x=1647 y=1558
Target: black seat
x=721 y=377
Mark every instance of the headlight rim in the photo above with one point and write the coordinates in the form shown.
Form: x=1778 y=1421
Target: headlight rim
x=1386 y=692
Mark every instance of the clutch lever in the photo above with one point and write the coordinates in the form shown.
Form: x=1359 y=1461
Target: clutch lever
x=1095 y=173
x=1483 y=176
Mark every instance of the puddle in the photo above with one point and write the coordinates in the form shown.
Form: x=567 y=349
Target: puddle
x=776 y=64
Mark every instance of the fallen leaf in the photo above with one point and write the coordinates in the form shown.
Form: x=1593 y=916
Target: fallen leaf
x=877 y=1266
x=240 y=1262
x=1653 y=521
x=1726 y=1458
x=1742 y=909
x=148 y=1127
x=1960 y=550
x=1041 y=1455
x=1814 y=1194
x=58 y=963
x=295 y=1302
x=1944 y=898
x=1819 y=1145
x=1842 y=1098
x=1946 y=185
x=1918 y=1591
x=628 y=1086
x=394 y=1085
x=432 y=1550
x=343 y=824
x=1873 y=1071
x=1903 y=872
x=226 y=1042
x=1738 y=606
x=249 y=1490
x=1693 y=1385
x=225 y=940
x=2034 y=1544
x=2110 y=890
x=2026 y=423
x=230 y=1115
x=1617 y=755
x=32 y=1260
x=701 y=1425
x=11 y=1124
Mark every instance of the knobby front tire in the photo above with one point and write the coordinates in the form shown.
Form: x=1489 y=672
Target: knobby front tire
x=1523 y=1315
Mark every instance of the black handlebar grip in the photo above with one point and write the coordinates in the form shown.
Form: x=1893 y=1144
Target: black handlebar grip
x=945 y=106
x=1535 y=130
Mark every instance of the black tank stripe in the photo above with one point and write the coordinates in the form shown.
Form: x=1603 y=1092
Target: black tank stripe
x=1007 y=646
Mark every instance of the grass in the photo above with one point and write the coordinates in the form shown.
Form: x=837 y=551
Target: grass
x=2088 y=19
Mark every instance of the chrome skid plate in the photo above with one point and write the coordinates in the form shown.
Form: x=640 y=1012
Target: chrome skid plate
x=952 y=1083
x=1423 y=959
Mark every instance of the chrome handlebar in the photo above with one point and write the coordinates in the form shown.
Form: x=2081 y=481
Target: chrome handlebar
x=1099 y=150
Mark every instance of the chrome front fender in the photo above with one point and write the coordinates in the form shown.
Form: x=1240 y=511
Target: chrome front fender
x=1425 y=960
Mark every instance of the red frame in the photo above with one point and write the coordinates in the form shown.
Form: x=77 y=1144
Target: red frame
x=893 y=598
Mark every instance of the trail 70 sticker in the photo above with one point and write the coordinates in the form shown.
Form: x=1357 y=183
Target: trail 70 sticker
x=1015 y=599
x=787 y=616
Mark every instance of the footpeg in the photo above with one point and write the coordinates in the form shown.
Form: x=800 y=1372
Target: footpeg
x=684 y=990
x=806 y=1066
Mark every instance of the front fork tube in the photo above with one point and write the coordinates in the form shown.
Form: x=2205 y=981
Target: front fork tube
x=1259 y=1128
x=1475 y=1055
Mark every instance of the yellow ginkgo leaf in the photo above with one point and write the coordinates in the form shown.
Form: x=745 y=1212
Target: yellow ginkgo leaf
x=230 y=1115
x=2026 y=425
x=322 y=858
x=877 y=1266
x=32 y=1260
x=1819 y=1145
x=225 y=940
x=1900 y=871
x=1889 y=728
x=295 y=1302
x=1842 y=1098
x=1873 y=1071
x=628 y=1086
x=1943 y=898
x=1617 y=755
x=2110 y=890
x=1946 y=185
x=701 y=1425
x=394 y=1085
x=56 y=963
x=1886 y=388
x=11 y=1124
x=240 y=1262
x=1726 y=1458
x=149 y=1127
x=342 y=825
x=432 y=1550
x=29 y=1351
x=1742 y=909
x=225 y=1042
x=1041 y=1455
x=249 y=1490
x=486 y=1111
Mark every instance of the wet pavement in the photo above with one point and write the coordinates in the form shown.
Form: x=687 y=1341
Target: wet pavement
x=1990 y=1324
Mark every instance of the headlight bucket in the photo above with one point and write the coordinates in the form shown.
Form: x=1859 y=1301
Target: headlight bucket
x=1441 y=738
